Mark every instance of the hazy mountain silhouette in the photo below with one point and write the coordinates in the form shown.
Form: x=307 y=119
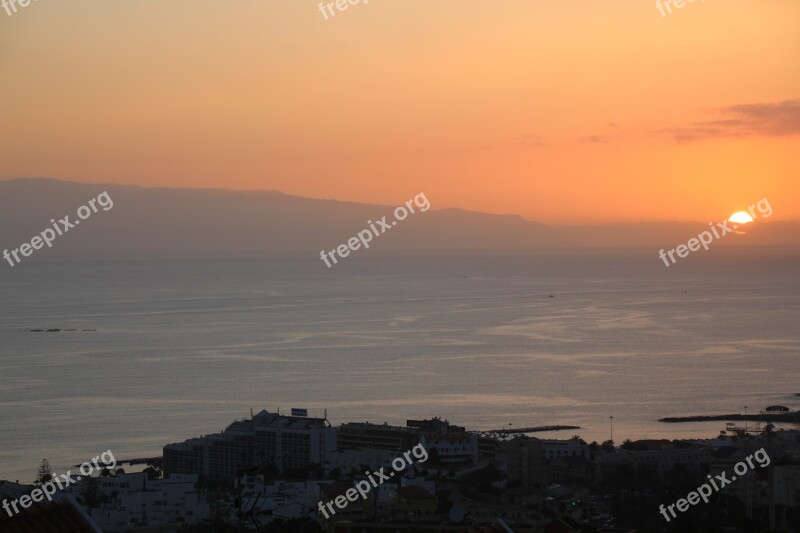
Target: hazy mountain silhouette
x=160 y=220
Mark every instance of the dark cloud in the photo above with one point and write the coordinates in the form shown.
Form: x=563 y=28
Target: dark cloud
x=773 y=120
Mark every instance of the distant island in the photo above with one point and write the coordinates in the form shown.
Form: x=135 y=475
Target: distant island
x=212 y=221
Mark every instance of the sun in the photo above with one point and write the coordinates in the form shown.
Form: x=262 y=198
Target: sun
x=741 y=217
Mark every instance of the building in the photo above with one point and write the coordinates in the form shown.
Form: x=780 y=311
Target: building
x=130 y=501
x=357 y=461
x=523 y=461
x=266 y=439
x=692 y=460
x=416 y=501
x=564 y=448
x=570 y=470
x=450 y=444
x=453 y=444
x=328 y=493
x=356 y=435
x=267 y=501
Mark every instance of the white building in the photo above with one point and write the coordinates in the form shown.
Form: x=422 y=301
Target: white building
x=279 y=499
x=452 y=447
x=554 y=449
x=130 y=501
x=357 y=459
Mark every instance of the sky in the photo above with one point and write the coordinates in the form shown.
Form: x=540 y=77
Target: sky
x=565 y=111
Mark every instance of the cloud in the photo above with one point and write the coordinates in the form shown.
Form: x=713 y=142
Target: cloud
x=604 y=138
x=530 y=140
x=596 y=139
x=770 y=120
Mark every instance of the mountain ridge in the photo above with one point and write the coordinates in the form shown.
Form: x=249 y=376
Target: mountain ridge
x=174 y=220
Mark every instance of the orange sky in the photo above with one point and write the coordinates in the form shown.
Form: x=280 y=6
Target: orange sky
x=560 y=111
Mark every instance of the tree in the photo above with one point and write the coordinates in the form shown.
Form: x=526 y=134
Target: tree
x=45 y=473
x=153 y=472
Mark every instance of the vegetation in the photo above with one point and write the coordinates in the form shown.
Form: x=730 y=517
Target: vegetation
x=45 y=473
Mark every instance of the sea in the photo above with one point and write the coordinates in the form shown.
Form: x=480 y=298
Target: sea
x=158 y=350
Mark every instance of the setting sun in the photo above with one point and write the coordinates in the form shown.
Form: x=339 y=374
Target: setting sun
x=741 y=217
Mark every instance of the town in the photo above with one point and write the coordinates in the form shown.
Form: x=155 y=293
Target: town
x=274 y=472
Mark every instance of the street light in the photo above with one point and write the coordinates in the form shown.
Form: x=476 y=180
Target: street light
x=612 y=429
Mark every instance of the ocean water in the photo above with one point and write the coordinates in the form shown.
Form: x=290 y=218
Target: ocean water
x=176 y=348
